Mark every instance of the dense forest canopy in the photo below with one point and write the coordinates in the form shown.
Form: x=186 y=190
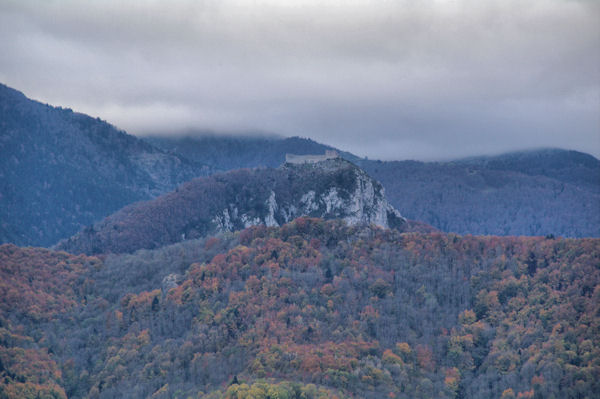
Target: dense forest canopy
x=307 y=310
x=61 y=170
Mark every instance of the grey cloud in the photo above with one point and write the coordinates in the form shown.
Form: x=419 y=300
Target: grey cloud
x=406 y=79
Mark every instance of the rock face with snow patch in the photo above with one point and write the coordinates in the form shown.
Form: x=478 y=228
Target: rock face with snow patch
x=331 y=189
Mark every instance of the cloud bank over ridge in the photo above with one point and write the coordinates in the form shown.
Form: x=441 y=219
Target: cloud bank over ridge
x=392 y=80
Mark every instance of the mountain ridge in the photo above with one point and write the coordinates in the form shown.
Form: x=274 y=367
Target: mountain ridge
x=61 y=170
x=529 y=192
x=241 y=198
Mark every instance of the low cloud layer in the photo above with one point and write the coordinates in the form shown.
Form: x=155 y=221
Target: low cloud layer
x=390 y=80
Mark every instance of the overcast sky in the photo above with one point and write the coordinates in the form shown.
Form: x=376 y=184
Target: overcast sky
x=384 y=79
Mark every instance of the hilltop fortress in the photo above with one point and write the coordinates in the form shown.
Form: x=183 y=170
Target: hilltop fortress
x=300 y=159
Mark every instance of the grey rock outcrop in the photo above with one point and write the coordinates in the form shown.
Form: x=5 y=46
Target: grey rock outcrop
x=330 y=189
x=358 y=200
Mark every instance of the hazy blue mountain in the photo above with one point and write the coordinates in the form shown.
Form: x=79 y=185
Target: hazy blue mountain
x=571 y=167
x=61 y=170
x=538 y=192
x=224 y=153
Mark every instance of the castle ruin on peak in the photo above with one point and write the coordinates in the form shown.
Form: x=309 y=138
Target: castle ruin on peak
x=300 y=159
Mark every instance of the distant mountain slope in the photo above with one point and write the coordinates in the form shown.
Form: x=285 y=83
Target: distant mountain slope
x=527 y=193
x=61 y=170
x=571 y=167
x=225 y=153
x=231 y=201
x=538 y=192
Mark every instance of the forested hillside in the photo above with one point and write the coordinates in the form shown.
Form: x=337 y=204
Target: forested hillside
x=223 y=153
x=61 y=170
x=232 y=201
x=205 y=253
x=310 y=309
x=38 y=288
x=536 y=192
x=545 y=192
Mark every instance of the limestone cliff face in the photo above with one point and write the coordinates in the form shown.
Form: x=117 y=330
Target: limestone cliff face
x=331 y=189
x=352 y=196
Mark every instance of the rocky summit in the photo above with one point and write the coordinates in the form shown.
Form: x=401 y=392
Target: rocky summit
x=330 y=189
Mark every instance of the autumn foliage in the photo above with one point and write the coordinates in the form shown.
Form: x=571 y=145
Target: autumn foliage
x=36 y=287
x=319 y=309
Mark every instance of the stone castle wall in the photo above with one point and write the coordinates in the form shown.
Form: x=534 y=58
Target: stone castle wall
x=299 y=159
